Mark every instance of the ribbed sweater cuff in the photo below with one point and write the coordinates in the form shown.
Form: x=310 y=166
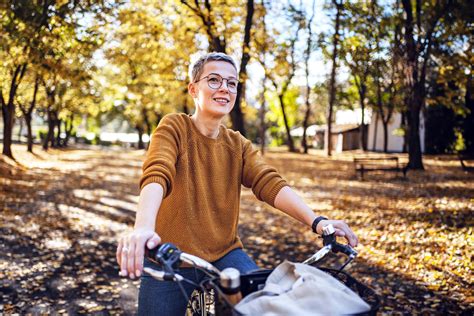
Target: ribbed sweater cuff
x=159 y=180
x=274 y=191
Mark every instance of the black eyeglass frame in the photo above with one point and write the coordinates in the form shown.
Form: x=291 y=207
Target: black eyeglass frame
x=222 y=81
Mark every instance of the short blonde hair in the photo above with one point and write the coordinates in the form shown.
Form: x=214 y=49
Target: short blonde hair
x=197 y=67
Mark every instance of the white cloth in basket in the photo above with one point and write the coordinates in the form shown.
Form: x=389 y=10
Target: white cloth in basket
x=300 y=289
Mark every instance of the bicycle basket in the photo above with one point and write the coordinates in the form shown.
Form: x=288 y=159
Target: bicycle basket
x=255 y=281
x=364 y=292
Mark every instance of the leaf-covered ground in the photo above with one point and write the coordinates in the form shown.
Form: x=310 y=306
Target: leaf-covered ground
x=62 y=211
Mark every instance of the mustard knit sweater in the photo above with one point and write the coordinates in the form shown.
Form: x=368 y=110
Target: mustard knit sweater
x=201 y=178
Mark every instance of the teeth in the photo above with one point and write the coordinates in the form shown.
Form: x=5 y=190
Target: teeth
x=220 y=100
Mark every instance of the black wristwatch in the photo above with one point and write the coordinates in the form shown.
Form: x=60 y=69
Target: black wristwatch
x=316 y=222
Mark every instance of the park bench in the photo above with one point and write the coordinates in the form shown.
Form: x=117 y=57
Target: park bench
x=466 y=161
x=366 y=164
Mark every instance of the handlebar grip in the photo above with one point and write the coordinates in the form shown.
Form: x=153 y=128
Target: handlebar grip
x=151 y=253
x=345 y=249
x=167 y=255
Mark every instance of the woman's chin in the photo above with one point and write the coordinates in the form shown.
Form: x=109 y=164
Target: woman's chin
x=221 y=110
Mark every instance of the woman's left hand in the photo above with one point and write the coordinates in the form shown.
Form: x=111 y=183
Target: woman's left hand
x=342 y=230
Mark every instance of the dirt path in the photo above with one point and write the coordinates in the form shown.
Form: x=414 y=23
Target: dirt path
x=62 y=212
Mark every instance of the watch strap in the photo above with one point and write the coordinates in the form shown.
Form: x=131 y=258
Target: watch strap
x=316 y=222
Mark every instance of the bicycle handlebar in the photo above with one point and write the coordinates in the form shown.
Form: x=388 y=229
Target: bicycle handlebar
x=170 y=257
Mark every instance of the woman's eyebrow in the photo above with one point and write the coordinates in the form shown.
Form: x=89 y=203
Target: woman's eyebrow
x=214 y=73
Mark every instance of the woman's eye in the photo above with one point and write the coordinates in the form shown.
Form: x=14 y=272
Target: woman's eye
x=232 y=84
x=214 y=80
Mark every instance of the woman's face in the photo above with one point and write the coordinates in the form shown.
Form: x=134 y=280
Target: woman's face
x=214 y=102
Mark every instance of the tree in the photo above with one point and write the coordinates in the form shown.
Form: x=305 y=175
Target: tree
x=27 y=111
x=14 y=35
x=148 y=65
x=332 y=83
x=262 y=43
x=221 y=22
x=34 y=31
x=284 y=68
x=388 y=91
x=236 y=113
x=307 y=55
x=420 y=24
x=449 y=78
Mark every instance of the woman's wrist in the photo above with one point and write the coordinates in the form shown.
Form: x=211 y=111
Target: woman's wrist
x=316 y=222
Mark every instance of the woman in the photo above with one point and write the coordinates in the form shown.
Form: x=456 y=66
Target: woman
x=190 y=189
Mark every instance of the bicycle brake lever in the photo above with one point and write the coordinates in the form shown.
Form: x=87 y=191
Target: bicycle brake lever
x=318 y=255
x=350 y=252
x=163 y=276
x=196 y=261
x=345 y=249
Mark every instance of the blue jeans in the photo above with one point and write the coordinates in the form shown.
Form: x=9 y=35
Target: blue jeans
x=165 y=298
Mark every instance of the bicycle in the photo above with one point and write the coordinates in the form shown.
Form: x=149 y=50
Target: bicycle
x=221 y=290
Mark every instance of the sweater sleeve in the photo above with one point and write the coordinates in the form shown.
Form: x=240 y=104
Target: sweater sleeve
x=262 y=178
x=160 y=161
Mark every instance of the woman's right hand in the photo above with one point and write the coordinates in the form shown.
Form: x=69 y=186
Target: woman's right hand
x=131 y=249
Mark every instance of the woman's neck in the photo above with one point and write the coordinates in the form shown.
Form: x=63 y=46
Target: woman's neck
x=207 y=126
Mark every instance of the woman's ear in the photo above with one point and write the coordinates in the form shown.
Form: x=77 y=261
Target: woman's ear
x=192 y=90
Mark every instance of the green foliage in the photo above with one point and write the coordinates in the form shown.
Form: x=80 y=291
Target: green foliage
x=275 y=115
x=460 y=142
x=42 y=133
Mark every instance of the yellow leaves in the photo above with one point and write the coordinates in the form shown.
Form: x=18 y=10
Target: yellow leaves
x=413 y=257
x=426 y=257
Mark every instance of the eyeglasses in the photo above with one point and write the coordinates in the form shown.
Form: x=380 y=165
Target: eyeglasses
x=215 y=82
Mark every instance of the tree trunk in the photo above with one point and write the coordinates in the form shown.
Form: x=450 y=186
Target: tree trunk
x=7 y=131
x=30 y=133
x=139 y=129
x=289 y=139
x=50 y=135
x=27 y=114
x=405 y=129
x=332 y=84
x=385 y=136
x=50 y=96
x=236 y=114
x=8 y=110
x=146 y=121
x=20 y=130
x=414 y=83
x=68 y=127
x=263 y=126
x=414 y=145
x=185 y=103
x=467 y=126
x=362 y=138
x=307 y=112
x=376 y=127
x=58 y=135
